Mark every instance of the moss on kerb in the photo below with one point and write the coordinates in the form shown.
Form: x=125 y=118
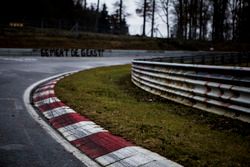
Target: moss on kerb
x=182 y=134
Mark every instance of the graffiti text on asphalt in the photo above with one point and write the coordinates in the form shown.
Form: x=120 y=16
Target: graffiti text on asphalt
x=72 y=52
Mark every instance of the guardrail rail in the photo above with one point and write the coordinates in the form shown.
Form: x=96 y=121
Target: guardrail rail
x=223 y=90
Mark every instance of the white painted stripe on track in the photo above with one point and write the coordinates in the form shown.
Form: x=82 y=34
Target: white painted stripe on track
x=73 y=126
x=161 y=163
x=116 y=156
x=48 y=84
x=43 y=93
x=51 y=82
x=46 y=101
x=79 y=130
x=45 y=87
x=134 y=156
x=58 y=112
x=59 y=78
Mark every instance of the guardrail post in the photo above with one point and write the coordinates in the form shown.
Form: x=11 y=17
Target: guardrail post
x=222 y=60
x=182 y=60
x=203 y=59
x=239 y=58
x=248 y=59
x=213 y=59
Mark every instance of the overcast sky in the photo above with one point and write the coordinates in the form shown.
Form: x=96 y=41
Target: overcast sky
x=134 y=21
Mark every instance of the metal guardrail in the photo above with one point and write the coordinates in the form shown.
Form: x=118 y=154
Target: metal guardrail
x=212 y=58
x=224 y=90
x=19 y=52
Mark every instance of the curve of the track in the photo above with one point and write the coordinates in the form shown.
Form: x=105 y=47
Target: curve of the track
x=22 y=141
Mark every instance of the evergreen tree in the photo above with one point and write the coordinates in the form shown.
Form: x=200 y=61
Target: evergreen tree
x=119 y=23
x=104 y=21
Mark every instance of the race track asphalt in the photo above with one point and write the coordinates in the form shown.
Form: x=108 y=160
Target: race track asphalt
x=23 y=142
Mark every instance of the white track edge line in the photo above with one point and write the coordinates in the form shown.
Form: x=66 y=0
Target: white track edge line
x=54 y=134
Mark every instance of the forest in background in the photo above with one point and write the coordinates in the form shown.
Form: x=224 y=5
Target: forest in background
x=216 y=20
x=62 y=14
x=207 y=20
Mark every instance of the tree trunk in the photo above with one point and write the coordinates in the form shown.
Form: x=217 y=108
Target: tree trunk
x=97 y=15
x=190 y=19
x=85 y=4
x=153 y=20
x=215 y=20
x=180 y=28
x=201 y=19
x=167 y=19
x=120 y=15
x=98 y=4
x=144 y=17
x=223 y=18
x=195 y=7
x=186 y=19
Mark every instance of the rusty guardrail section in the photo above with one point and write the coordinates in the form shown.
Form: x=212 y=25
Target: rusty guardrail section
x=224 y=90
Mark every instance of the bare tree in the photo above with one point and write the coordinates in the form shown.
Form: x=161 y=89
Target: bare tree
x=153 y=19
x=186 y=18
x=97 y=15
x=144 y=17
x=201 y=19
x=165 y=8
x=84 y=4
x=121 y=14
x=97 y=5
x=143 y=10
x=219 y=17
x=180 y=23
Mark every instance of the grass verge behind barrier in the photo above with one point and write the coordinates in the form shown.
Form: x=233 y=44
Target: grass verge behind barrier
x=182 y=134
x=30 y=37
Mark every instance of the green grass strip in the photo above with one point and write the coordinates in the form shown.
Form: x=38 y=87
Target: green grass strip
x=182 y=134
